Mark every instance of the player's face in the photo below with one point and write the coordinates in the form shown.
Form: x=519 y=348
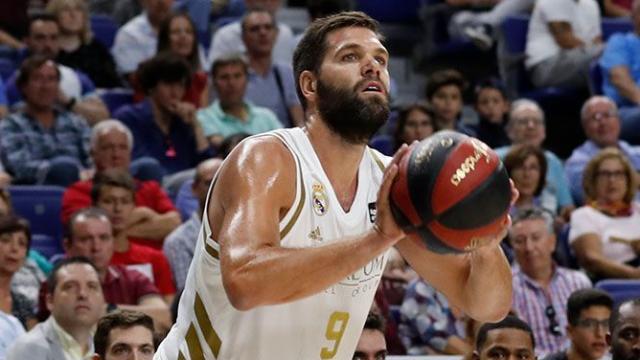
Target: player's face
x=112 y=151
x=527 y=126
x=601 y=123
x=532 y=244
x=588 y=337
x=13 y=250
x=625 y=338
x=506 y=344
x=491 y=105
x=118 y=203
x=371 y=346
x=77 y=299
x=611 y=181
x=353 y=84
x=134 y=343
x=417 y=127
x=93 y=239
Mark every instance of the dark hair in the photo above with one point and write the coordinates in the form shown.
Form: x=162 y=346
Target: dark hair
x=518 y=154
x=443 y=78
x=490 y=83
x=31 y=64
x=322 y=8
x=583 y=299
x=311 y=49
x=52 y=279
x=124 y=319
x=112 y=177
x=164 y=39
x=374 y=322
x=510 y=322
x=88 y=213
x=230 y=142
x=403 y=115
x=41 y=16
x=615 y=314
x=226 y=60
x=11 y=223
x=165 y=67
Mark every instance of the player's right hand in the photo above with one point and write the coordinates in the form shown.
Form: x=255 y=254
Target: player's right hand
x=385 y=224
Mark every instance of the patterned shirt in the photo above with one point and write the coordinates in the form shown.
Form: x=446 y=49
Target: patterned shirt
x=27 y=146
x=530 y=301
x=179 y=246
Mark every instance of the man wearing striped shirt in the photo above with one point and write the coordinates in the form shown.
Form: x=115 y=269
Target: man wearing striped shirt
x=541 y=288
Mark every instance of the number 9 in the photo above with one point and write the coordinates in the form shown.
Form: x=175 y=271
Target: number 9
x=337 y=320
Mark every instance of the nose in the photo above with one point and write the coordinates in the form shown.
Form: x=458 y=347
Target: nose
x=371 y=67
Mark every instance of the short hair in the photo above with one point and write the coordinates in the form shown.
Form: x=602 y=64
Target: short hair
x=11 y=223
x=590 y=174
x=255 y=10
x=226 y=60
x=164 y=38
x=443 y=78
x=374 y=322
x=112 y=177
x=312 y=48
x=86 y=213
x=490 y=83
x=509 y=322
x=40 y=16
x=52 y=279
x=105 y=126
x=583 y=299
x=31 y=64
x=615 y=314
x=403 y=115
x=230 y=142
x=123 y=319
x=519 y=154
x=591 y=100
x=517 y=104
x=165 y=67
x=534 y=213
x=54 y=7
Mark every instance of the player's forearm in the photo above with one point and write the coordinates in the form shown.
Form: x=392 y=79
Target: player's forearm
x=158 y=227
x=275 y=275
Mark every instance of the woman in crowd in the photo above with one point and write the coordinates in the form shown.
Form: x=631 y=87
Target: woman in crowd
x=605 y=233
x=415 y=122
x=527 y=166
x=79 y=49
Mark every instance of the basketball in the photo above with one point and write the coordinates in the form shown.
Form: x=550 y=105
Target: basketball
x=450 y=191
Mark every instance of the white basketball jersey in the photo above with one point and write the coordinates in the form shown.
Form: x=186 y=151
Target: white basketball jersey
x=326 y=325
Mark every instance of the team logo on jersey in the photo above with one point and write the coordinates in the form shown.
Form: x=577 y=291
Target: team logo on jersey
x=319 y=199
x=315 y=235
x=373 y=210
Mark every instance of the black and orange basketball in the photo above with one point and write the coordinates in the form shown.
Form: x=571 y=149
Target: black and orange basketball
x=451 y=190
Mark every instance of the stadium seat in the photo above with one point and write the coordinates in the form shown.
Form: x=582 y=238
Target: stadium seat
x=40 y=204
x=115 y=98
x=382 y=143
x=7 y=68
x=46 y=245
x=611 y=26
x=620 y=289
x=595 y=78
x=564 y=254
x=104 y=29
x=390 y=11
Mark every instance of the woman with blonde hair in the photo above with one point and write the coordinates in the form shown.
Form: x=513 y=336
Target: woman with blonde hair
x=605 y=233
x=79 y=49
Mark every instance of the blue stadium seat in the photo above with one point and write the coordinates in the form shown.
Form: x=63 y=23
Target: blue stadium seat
x=595 y=78
x=7 y=68
x=620 y=289
x=564 y=254
x=46 y=245
x=611 y=26
x=390 y=11
x=40 y=204
x=115 y=98
x=382 y=143
x=104 y=29
x=186 y=201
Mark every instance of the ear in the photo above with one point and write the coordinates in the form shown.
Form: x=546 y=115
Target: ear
x=608 y=338
x=475 y=355
x=308 y=85
x=95 y=357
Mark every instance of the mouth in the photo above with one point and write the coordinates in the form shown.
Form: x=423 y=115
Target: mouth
x=82 y=308
x=373 y=86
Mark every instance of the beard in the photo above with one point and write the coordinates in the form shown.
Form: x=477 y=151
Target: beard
x=348 y=115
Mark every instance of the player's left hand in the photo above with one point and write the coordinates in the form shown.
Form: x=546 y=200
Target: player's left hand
x=495 y=239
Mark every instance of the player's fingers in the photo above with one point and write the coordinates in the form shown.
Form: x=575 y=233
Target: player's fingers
x=515 y=194
x=387 y=180
x=398 y=155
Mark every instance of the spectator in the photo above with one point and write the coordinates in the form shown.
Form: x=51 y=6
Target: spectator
x=604 y=232
x=415 y=122
x=42 y=144
x=114 y=191
x=228 y=39
x=124 y=335
x=601 y=125
x=137 y=40
x=75 y=299
x=624 y=330
x=617 y=8
x=492 y=106
x=164 y=127
x=527 y=167
x=371 y=345
x=444 y=92
x=230 y=113
x=507 y=339
x=79 y=49
x=564 y=37
x=271 y=83
x=15 y=238
x=621 y=76
x=180 y=244
x=541 y=287
x=120 y=10
x=75 y=87
x=10 y=330
x=588 y=312
x=526 y=125
x=111 y=145
x=90 y=235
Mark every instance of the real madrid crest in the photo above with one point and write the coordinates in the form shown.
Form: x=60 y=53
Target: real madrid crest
x=319 y=199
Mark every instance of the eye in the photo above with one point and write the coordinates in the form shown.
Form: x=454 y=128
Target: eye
x=381 y=60
x=349 y=57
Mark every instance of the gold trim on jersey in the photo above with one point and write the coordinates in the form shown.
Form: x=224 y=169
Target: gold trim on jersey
x=210 y=335
x=298 y=211
x=181 y=356
x=208 y=248
x=377 y=160
x=193 y=343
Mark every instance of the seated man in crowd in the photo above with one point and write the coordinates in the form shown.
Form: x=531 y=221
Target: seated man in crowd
x=164 y=127
x=111 y=145
x=124 y=334
x=372 y=344
x=42 y=39
x=601 y=125
x=180 y=244
x=624 y=331
x=564 y=37
x=271 y=83
x=42 y=144
x=76 y=302
x=541 y=287
x=230 y=113
x=510 y=338
x=114 y=192
x=588 y=312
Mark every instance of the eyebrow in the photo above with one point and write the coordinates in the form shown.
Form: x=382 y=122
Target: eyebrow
x=353 y=45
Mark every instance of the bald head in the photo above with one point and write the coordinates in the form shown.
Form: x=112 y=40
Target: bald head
x=599 y=117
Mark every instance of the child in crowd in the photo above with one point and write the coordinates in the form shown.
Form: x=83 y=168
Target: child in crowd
x=492 y=106
x=444 y=92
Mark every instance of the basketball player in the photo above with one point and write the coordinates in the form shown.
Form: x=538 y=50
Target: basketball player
x=297 y=225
